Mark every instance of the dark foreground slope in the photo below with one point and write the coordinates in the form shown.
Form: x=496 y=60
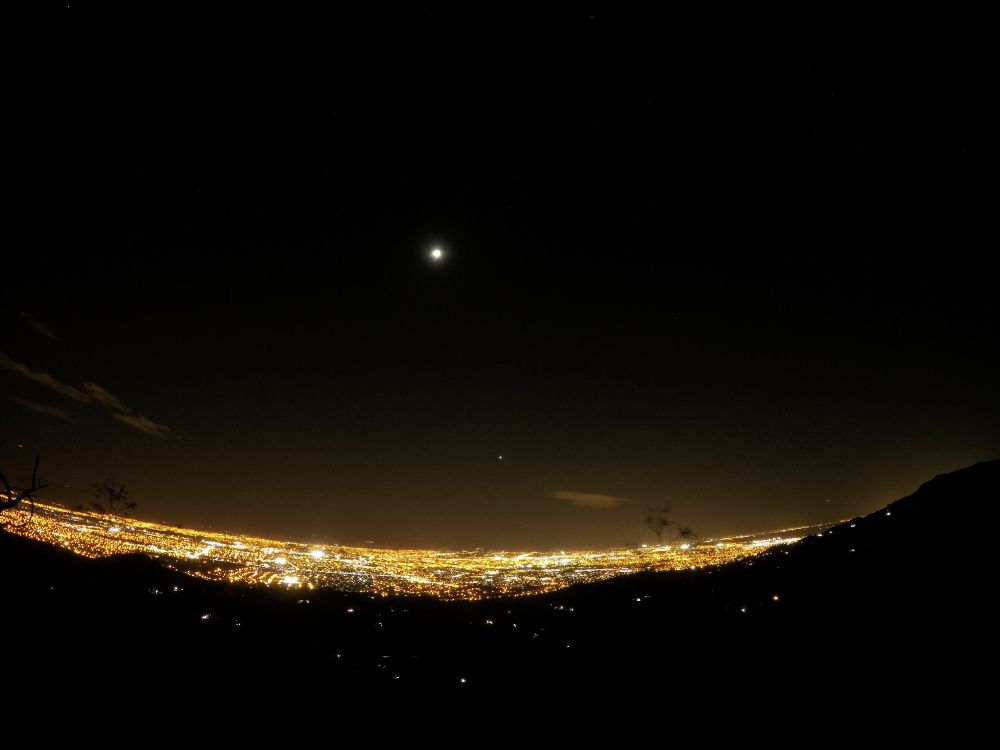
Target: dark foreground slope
x=877 y=624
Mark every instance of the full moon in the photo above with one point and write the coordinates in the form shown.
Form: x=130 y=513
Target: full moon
x=437 y=253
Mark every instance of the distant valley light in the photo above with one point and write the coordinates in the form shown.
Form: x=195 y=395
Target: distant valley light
x=459 y=574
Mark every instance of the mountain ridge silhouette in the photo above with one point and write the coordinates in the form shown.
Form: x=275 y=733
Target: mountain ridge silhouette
x=875 y=609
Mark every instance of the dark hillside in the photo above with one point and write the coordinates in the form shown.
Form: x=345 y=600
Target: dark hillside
x=873 y=613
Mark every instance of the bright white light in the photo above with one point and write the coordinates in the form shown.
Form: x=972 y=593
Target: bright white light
x=317 y=554
x=280 y=560
x=437 y=253
x=290 y=580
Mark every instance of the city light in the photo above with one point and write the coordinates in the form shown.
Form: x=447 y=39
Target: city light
x=445 y=574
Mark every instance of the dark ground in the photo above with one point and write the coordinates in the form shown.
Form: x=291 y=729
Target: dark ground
x=876 y=632
x=165 y=140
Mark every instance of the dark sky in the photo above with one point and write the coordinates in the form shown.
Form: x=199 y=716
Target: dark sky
x=716 y=256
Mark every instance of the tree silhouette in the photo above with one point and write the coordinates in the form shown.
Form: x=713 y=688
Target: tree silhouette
x=659 y=522
x=14 y=496
x=115 y=496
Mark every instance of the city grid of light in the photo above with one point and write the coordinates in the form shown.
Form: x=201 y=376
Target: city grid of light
x=472 y=574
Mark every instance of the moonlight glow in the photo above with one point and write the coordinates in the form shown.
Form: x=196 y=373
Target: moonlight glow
x=437 y=254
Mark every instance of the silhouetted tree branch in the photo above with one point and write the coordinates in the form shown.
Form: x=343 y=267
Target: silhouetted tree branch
x=115 y=495
x=659 y=522
x=14 y=496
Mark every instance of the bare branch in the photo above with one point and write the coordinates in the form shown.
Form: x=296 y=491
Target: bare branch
x=14 y=496
x=6 y=484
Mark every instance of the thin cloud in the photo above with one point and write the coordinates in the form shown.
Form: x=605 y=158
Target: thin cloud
x=124 y=413
x=109 y=401
x=92 y=393
x=145 y=425
x=49 y=411
x=43 y=378
x=590 y=500
x=40 y=327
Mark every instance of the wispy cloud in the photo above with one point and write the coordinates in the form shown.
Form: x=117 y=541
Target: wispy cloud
x=43 y=378
x=40 y=327
x=590 y=500
x=50 y=411
x=91 y=393
x=109 y=401
x=145 y=425
x=124 y=413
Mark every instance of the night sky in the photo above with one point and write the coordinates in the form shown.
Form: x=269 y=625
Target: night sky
x=722 y=258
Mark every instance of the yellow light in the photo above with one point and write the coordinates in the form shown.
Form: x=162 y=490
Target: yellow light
x=459 y=574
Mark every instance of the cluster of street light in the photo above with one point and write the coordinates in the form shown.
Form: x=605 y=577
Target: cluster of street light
x=473 y=574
